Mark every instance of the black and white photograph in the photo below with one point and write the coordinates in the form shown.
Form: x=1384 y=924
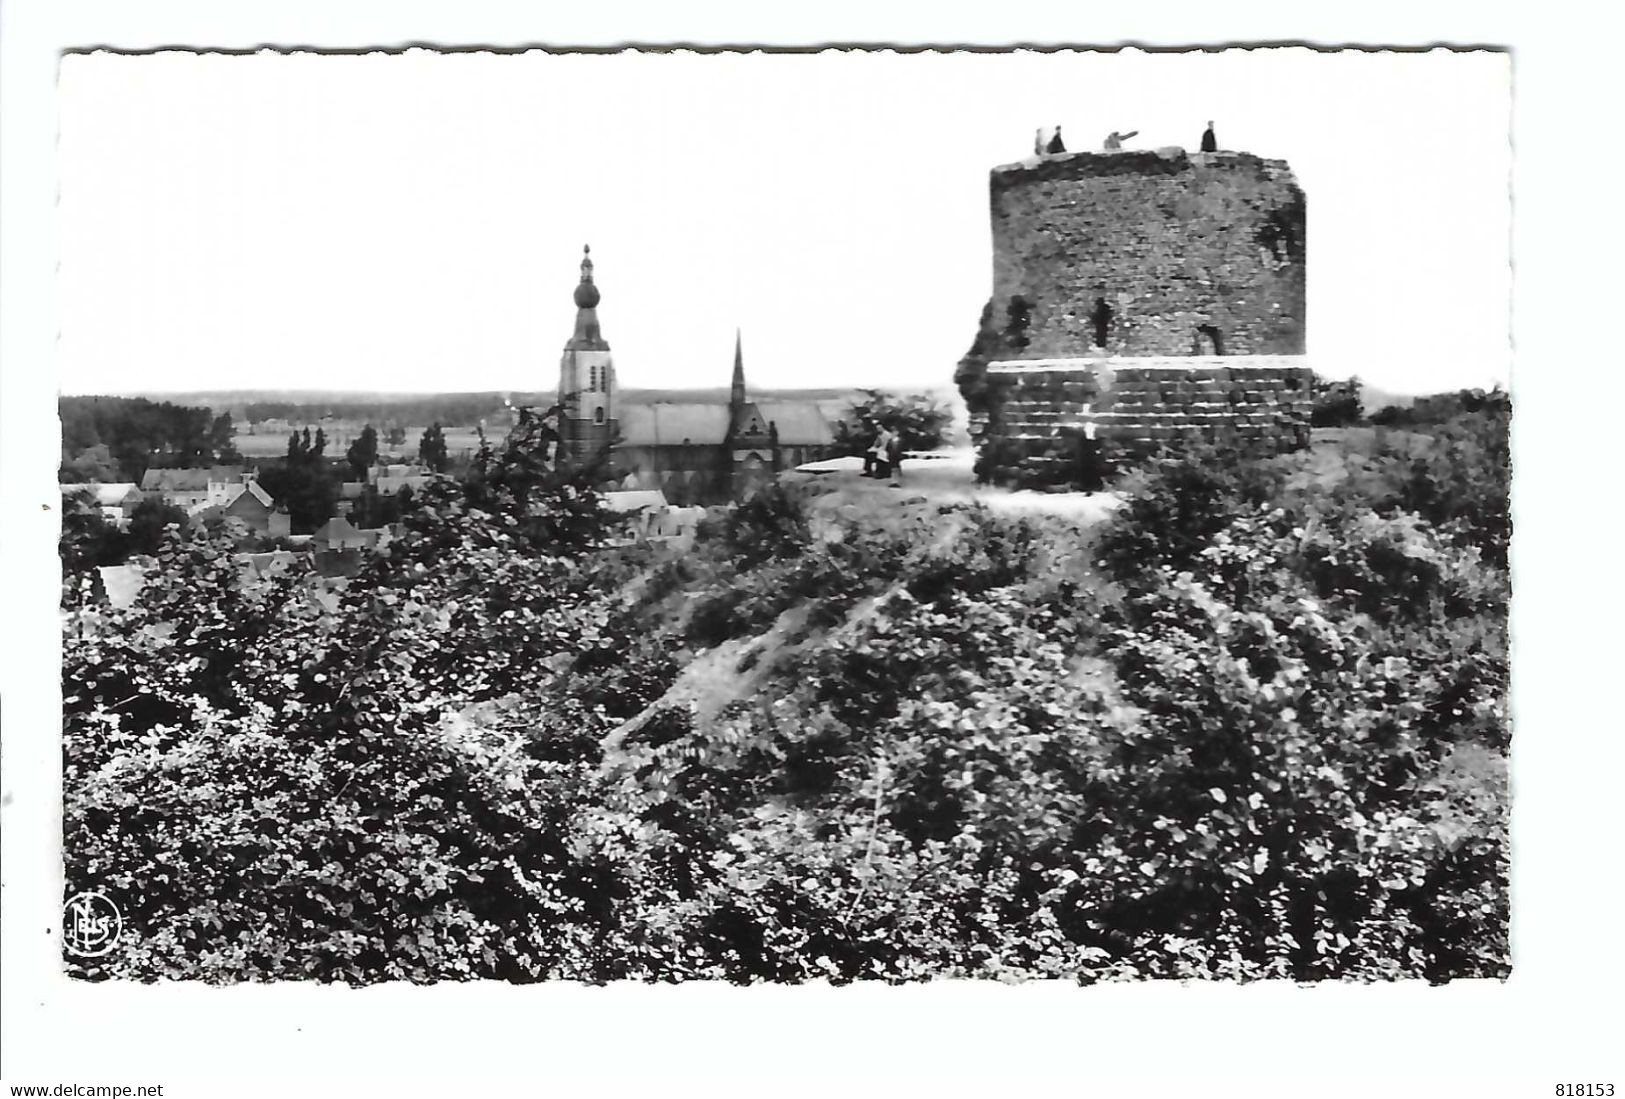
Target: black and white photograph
x=790 y=520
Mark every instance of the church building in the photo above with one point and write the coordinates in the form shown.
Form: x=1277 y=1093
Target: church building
x=700 y=452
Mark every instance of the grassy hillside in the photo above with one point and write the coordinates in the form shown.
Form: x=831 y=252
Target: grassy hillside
x=1251 y=725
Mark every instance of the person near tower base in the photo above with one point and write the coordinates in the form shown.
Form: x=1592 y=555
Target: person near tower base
x=879 y=458
x=1091 y=466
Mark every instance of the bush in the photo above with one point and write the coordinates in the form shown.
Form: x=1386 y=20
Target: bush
x=1272 y=746
x=920 y=419
x=1183 y=502
x=1337 y=404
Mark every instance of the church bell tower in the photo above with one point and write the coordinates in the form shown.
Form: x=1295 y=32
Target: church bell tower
x=588 y=425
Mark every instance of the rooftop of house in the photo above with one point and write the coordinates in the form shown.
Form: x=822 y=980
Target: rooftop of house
x=106 y=495
x=188 y=480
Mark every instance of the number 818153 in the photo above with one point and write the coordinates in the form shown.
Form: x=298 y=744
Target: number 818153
x=1585 y=1091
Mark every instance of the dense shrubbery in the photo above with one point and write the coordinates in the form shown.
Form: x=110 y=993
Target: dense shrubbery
x=919 y=419
x=118 y=438
x=1337 y=403
x=1250 y=729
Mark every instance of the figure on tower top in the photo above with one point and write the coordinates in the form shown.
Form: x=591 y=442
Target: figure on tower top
x=1210 y=144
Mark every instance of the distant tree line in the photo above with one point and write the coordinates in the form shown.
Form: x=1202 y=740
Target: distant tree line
x=445 y=408
x=1441 y=408
x=120 y=438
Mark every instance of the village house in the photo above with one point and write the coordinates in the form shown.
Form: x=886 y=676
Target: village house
x=350 y=493
x=651 y=518
x=250 y=503
x=338 y=533
x=116 y=501
x=189 y=488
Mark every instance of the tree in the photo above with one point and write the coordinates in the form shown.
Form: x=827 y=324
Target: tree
x=147 y=524
x=363 y=453
x=88 y=539
x=139 y=433
x=552 y=508
x=92 y=464
x=397 y=435
x=1337 y=404
x=432 y=448
x=223 y=440
x=919 y=418
x=303 y=482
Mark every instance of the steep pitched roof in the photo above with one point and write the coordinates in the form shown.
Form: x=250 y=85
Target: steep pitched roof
x=748 y=420
x=175 y=480
x=251 y=489
x=800 y=423
x=336 y=529
x=667 y=424
x=106 y=495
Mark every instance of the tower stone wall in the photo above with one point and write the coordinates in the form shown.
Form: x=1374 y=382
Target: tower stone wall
x=1159 y=295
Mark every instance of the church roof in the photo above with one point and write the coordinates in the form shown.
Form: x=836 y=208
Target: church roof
x=668 y=424
x=800 y=423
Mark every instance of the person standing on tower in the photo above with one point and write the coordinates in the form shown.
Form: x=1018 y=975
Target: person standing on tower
x=1114 y=140
x=1056 y=145
x=1210 y=144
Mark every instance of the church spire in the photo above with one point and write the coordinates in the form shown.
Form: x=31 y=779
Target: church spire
x=587 y=335
x=737 y=397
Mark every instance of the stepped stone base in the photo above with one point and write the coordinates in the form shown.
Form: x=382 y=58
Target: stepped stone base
x=1141 y=406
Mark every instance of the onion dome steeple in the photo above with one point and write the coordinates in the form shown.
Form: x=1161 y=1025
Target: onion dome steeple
x=587 y=336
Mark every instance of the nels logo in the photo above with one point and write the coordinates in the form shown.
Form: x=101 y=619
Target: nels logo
x=91 y=925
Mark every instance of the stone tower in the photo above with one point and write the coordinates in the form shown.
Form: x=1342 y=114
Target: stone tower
x=588 y=425
x=1156 y=294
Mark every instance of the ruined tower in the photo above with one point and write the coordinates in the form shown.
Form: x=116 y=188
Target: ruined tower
x=1159 y=294
x=588 y=425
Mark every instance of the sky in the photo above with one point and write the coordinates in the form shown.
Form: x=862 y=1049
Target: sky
x=414 y=222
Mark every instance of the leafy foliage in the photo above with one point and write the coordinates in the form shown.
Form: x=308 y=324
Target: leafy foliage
x=138 y=434
x=305 y=482
x=362 y=454
x=432 y=448
x=919 y=419
x=1337 y=404
x=1254 y=728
